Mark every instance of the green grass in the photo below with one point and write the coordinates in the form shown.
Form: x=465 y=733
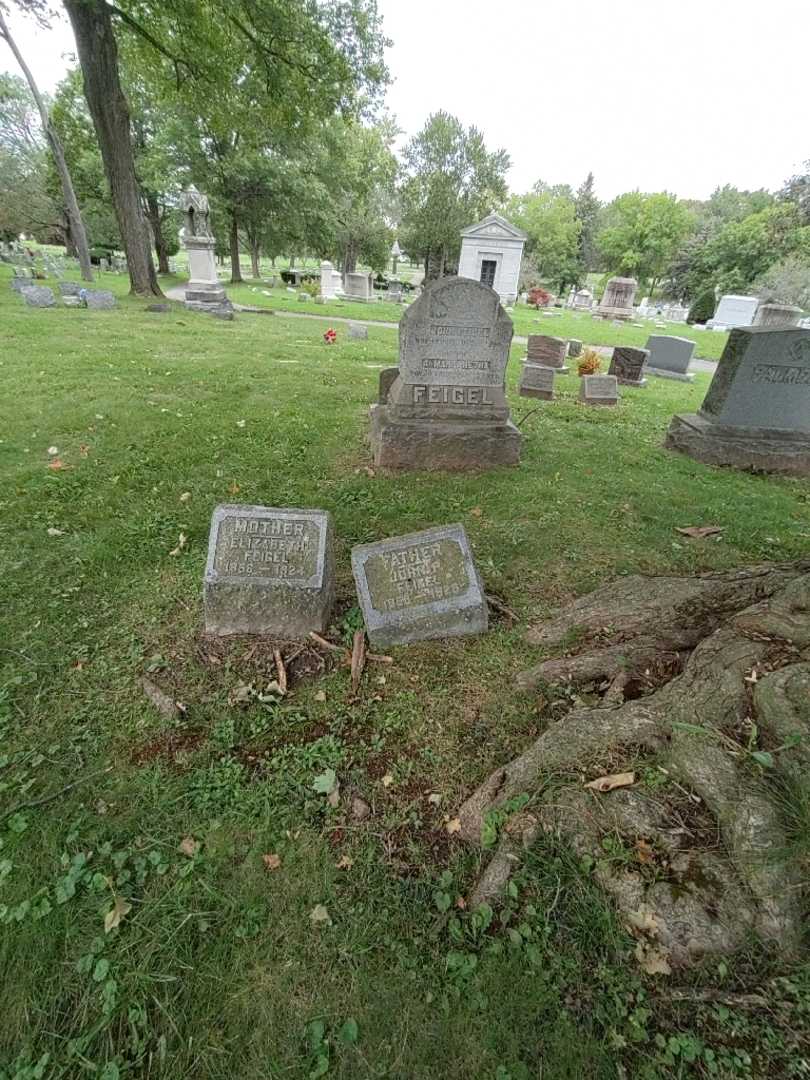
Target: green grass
x=217 y=970
x=560 y=323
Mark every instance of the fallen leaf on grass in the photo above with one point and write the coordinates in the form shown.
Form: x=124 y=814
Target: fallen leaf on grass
x=435 y=798
x=189 y=846
x=387 y=780
x=320 y=696
x=84 y=449
x=233 y=489
x=181 y=543
x=615 y=780
x=56 y=532
x=119 y=910
x=56 y=464
x=476 y=511
x=165 y=705
x=271 y=861
x=344 y=863
x=185 y=496
x=699 y=532
x=320 y=914
x=453 y=825
x=53 y=450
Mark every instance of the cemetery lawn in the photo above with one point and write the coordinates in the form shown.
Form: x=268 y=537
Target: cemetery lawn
x=254 y=930
x=558 y=322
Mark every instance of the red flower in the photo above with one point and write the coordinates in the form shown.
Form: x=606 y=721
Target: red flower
x=330 y=336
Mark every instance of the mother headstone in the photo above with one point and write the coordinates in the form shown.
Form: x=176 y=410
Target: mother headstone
x=447 y=408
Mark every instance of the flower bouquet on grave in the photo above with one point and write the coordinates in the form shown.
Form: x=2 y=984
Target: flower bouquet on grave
x=330 y=337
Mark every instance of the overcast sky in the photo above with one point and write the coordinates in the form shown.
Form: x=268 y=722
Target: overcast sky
x=651 y=94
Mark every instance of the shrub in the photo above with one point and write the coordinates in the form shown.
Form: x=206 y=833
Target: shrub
x=589 y=363
x=539 y=297
x=702 y=307
x=312 y=288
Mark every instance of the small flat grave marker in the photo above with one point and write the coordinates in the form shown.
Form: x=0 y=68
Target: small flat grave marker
x=420 y=586
x=537 y=381
x=38 y=296
x=599 y=389
x=101 y=299
x=270 y=571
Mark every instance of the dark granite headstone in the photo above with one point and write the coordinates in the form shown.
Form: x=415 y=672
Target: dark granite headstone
x=756 y=414
x=270 y=571
x=424 y=585
x=447 y=408
x=574 y=348
x=627 y=364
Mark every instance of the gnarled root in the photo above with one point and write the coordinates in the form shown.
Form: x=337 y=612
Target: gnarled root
x=692 y=888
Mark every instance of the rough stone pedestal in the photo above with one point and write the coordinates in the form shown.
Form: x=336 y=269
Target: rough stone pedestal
x=442 y=445
x=714 y=444
x=204 y=286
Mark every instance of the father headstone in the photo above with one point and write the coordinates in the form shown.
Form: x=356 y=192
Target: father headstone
x=537 y=381
x=627 y=364
x=756 y=414
x=38 y=296
x=670 y=356
x=270 y=571
x=420 y=586
x=599 y=390
x=447 y=409
x=100 y=299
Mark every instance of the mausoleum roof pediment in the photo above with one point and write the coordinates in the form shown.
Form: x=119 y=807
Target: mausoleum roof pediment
x=495 y=226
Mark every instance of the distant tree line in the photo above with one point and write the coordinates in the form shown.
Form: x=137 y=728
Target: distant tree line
x=276 y=111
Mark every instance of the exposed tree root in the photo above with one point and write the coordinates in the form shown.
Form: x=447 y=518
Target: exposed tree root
x=703 y=860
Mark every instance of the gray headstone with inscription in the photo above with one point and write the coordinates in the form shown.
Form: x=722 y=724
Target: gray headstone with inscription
x=270 y=571
x=670 y=356
x=447 y=408
x=102 y=299
x=599 y=389
x=756 y=414
x=420 y=586
x=537 y=381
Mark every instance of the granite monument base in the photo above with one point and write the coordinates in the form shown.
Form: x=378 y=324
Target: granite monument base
x=442 y=445
x=205 y=295
x=741 y=448
x=679 y=376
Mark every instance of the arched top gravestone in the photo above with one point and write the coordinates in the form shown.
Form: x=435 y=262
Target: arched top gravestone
x=453 y=351
x=446 y=408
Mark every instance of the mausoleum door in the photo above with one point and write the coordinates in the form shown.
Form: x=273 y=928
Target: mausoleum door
x=488 y=268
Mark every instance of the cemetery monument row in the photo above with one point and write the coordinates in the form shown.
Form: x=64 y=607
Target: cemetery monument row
x=447 y=408
x=269 y=571
x=756 y=414
x=423 y=585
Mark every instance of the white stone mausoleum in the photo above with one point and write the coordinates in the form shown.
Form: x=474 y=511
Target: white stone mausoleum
x=491 y=252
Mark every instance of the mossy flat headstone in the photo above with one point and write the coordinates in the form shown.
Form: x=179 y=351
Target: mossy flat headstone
x=423 y=585
x=537 y=381
x=270 y=571
x=38 y=296
x=599 y=389
x=100 y=299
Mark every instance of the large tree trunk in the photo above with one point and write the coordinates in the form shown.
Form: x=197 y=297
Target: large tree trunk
x=98 y=55
x=156 y=222
x=75 y=222
x=255 y=252
x=236 y=269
